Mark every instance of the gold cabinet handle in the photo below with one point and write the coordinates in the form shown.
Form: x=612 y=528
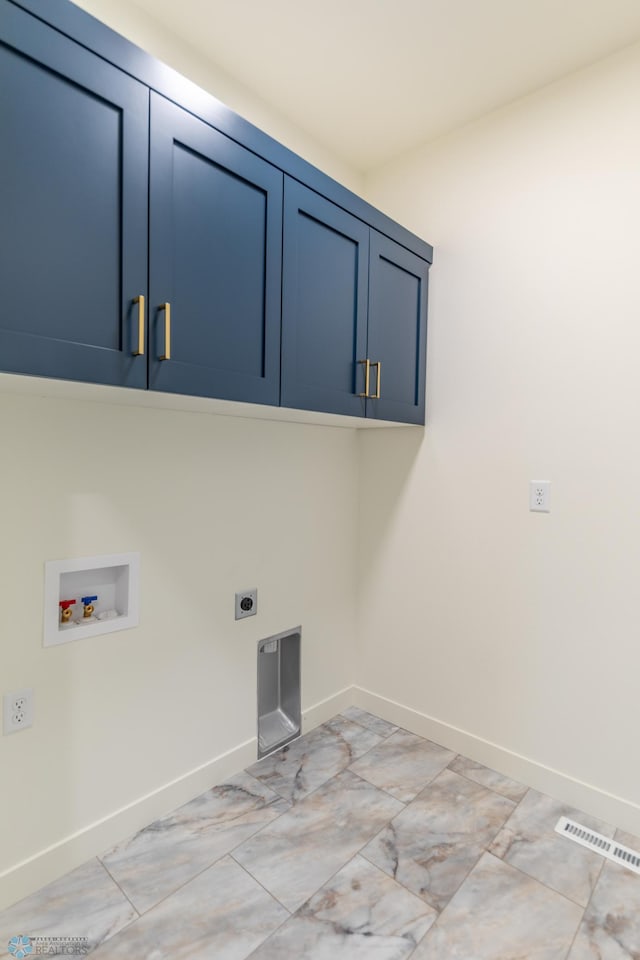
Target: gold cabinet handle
x=367 y=371
x=140 y=351
x=167 y=331
x=378 y=365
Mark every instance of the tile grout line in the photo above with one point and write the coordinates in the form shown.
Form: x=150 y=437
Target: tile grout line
x=542 y=882
x=294 y=802
x=348 y=860
x=407 y=804
x=584 y=912
x=528 y=877
x=195 y=876
x=124 y=894
x=149 y=910
x=492 y=789
x=369 y=729
x=514 y=811
x=338 y=737
x=485 y=849
x=440 y=913
x=186 y=883
x=523 y=872
x=424 y=937
x=358 y=852
x=267 y=786
x=272 y=934
x=383 y=739
x=573 y=939
x=266 y=889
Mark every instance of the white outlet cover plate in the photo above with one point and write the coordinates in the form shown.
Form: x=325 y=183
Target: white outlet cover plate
x=540 y=496
x=10 y=710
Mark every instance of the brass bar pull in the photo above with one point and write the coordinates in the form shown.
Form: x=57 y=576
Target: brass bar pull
x=367 y=371
x=378 y=365
x=140 y=351
x=167 y=331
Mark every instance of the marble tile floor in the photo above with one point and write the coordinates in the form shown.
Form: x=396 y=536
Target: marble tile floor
x=359 y=840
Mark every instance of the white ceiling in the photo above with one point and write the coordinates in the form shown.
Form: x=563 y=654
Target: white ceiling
x=370 y=79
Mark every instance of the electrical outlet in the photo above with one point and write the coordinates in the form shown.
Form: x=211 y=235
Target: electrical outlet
x=246 y=603
x=17 y=711
x=540 y=496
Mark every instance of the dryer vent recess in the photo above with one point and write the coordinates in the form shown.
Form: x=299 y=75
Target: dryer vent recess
x=279 y=711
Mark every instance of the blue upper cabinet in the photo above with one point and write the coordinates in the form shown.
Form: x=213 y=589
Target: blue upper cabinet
x=324 y=304
x=268 y=282
x=215 y=258
x=397 y=332
x=354 y=315
x=73 y=201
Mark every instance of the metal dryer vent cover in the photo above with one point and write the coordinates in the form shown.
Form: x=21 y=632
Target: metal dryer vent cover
x=603 y=845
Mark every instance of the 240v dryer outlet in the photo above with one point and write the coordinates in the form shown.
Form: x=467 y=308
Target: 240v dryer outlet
x=246 y=603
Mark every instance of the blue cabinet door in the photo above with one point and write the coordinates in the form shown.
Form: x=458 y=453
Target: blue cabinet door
x=397 y=331
x=73 y=202
x=215 y=255
x=324 y=304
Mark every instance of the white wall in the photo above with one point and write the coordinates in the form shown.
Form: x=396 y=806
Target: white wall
x=520 y=628
x=213 y=504
x=135 y=24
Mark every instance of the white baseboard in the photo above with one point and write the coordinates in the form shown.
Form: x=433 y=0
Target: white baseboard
x=33 y=873
x=36 y=871
x=328 y=708
x=617 y=811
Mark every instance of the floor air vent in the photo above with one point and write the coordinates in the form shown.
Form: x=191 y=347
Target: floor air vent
x=603 y=845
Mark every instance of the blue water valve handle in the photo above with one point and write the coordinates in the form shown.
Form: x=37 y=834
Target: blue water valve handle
x=86 y=600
